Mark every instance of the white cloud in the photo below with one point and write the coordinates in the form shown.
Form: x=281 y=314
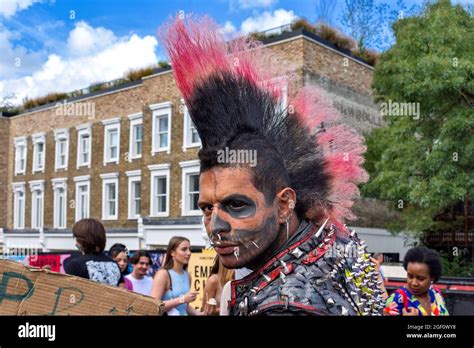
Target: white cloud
x=84 y=39
x=9 y=7
x=228 y=28
x=246 y=4
x=16 y=60
x=267 y=20
x=106 y=58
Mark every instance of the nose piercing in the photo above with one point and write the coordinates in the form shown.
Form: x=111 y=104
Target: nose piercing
x=214 y=243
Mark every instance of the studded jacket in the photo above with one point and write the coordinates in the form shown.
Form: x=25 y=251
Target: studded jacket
x=317 y=272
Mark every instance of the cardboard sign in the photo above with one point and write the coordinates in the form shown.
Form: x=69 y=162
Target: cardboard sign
x=29 y=291
x=200 y=266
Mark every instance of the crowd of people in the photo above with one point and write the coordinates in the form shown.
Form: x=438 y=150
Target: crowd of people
x=172 y=283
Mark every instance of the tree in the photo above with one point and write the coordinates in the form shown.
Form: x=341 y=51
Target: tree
x=369 y=22
x=325 y=11
x=424 y=162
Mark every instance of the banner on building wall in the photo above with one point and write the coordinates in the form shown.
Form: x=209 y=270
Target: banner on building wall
x=29 y=291
x=200 y=266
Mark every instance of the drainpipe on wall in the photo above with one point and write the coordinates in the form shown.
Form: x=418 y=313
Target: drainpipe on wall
x=41 y=239
x=140 y=232
x=1 y=240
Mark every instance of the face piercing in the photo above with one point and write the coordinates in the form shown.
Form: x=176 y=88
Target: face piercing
x=256 y=245
x=213 y=243
x=236 y=253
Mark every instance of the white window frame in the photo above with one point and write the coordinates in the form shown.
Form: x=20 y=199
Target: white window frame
x=109 y=125
x=39 y=138
x=187 y=168
x=135 y=120
x=60 y=135
x=19 y=221
x=83 y=130
x=159 y=170
x=37 y=218
x=158 y=110
x=83 y=180
x=21 y=144
x=187 y=133
x=133 y=177
x=109 y=178
x=59 y=184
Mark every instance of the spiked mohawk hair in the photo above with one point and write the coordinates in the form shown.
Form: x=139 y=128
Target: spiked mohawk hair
x=233 y=105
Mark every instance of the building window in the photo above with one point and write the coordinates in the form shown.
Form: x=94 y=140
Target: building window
x=39 y=141
x=190 y=134
x=160 y=189
x=84 y=135
x=61 y=137
x=161 y=127
x=136 y=136
x=19 y=205
x=37 y=203
x=134 y=194
x=59 y=202
x=20 y=155
x=109 y=196
x=190 y=187
x=82 y=197
x=111 y=140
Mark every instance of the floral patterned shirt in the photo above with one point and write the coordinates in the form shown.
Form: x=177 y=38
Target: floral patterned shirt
x=403 y=298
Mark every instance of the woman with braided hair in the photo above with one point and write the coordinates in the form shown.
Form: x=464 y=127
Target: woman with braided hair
x=281 y=215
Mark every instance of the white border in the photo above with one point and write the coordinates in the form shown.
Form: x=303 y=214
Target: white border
x=188 y=167
x=113 y=123
x=160 y=109
x=159 y=170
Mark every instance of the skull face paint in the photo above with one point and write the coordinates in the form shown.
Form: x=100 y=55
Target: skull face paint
x=236 y=216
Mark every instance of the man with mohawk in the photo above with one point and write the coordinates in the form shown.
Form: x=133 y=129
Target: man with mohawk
x=284 y=217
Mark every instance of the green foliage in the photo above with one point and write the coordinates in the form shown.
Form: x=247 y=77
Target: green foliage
x=426 y=161
x=369 y=21
x=327 y=33
x=456 y=266
x=164 y=64
x=97 y=86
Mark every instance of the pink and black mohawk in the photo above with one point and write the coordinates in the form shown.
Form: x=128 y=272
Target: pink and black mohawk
x=233 y=105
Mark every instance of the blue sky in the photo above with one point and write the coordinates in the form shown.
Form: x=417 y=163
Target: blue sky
x=63 y=45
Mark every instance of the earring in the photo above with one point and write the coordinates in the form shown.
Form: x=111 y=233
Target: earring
x=287 y=226
x=292 y=204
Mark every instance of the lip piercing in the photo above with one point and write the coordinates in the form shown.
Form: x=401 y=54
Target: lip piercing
x=256 y=245
x=236 y=253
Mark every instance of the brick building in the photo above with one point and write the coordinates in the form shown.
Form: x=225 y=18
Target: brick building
x=127 y=155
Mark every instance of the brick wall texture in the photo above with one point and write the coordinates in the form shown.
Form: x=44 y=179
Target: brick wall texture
x=297 y=59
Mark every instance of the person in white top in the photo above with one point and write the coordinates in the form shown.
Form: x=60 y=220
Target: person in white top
x=140 y=282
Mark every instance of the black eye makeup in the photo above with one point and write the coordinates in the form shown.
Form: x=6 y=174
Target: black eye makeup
x=239 y=206
x=236 y=205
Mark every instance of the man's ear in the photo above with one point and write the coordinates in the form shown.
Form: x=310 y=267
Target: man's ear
x=286 y=204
